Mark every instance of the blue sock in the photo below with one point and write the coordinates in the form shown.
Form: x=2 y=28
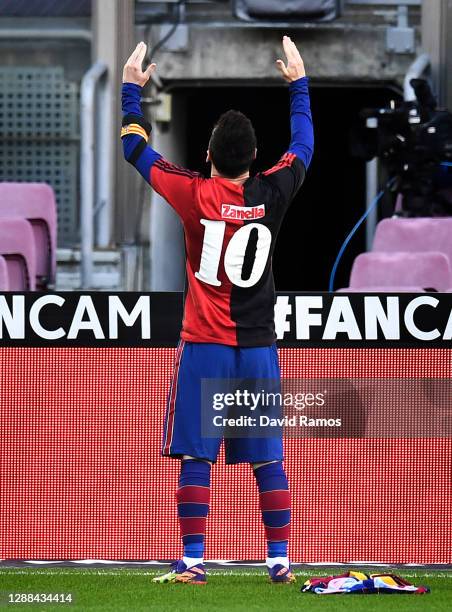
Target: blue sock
x=277 y=549
x=193 y=498
x=274 y=500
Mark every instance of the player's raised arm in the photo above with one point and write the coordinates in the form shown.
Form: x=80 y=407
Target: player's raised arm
x=288 y=173
x=302 y=134
x=135 y=129
x=175 y=184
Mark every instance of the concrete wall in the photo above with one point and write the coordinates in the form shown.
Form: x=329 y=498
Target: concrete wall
x=350 y=48
x=350 y=54
x=437 y=42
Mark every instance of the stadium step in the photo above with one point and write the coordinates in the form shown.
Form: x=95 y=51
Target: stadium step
x=107 y=270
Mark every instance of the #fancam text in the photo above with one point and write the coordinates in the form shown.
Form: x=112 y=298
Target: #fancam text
x=16 y=316
x=378 y=318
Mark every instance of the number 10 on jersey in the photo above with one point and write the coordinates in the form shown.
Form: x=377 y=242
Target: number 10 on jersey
x=234 y=256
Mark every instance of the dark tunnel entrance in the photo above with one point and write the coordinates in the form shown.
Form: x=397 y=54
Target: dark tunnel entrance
x=333 y=195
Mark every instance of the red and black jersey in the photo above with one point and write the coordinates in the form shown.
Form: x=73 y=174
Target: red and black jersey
x=230 y=229
x=230 y=234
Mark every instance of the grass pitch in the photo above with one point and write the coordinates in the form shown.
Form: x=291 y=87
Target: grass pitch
x=227 y=590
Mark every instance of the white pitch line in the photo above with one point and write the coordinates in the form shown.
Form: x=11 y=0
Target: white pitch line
x=139 y=572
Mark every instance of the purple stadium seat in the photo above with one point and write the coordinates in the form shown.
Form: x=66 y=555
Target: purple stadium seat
x=4 y=278
x=428 y=270
x=17 y=246
x=420 y=234
x=378 y=289
x=36 y=203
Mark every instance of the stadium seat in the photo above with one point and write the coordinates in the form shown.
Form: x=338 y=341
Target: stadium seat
x=17 y=246
x=36 y=203
x=420 y=234
x=4 y=279
x=428 y=270
x=382 y=289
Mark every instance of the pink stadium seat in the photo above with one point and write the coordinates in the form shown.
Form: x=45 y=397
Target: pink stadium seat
x=420 y=234
x=17 y=246
x=36 y=203
x=428 y=270
x=4 y=279
x=377 y=289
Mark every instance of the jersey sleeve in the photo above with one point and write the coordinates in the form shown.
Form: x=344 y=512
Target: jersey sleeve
x=174 y=183
x=289 y=173
x=177 y=185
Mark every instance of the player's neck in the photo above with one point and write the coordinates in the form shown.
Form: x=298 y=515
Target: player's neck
x=237 y=180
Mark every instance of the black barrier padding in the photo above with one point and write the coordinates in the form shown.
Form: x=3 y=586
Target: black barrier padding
x=325 y=320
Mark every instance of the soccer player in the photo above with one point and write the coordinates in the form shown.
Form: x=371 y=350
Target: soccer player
x=231 y=221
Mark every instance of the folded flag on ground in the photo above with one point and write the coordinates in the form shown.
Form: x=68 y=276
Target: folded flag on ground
x=361 y=583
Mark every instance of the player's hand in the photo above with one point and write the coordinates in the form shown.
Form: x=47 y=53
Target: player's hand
x=133 y=69
x=295 y=68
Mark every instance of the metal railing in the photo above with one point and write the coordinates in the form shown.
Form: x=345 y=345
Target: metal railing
x=95 y=196
x=10 y=29
x=385 y=2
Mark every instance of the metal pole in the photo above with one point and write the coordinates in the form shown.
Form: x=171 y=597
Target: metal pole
x=113 y=39
x=371 y=194
x=87 y=169
x=417 y=68
x=103 y=156
x=371 y=191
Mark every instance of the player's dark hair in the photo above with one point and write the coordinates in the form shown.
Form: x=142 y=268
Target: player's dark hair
x=232 y=144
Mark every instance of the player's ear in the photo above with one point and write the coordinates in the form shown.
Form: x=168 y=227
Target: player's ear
x=208 y=157
x=255 y=153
